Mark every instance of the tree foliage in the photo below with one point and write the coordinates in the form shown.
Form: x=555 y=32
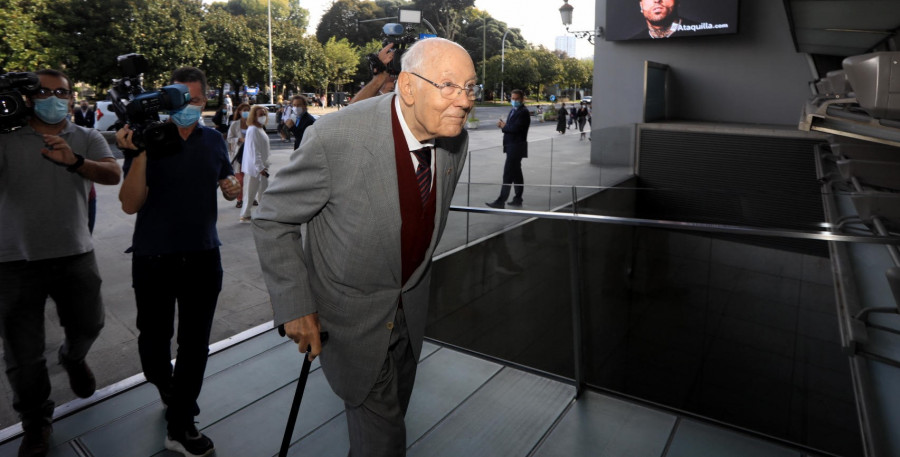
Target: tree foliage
x=475 y=35
x=445 y=15
x=24 y=43
x=340 y=21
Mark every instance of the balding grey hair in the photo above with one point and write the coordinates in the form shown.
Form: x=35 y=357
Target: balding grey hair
x=413 y=60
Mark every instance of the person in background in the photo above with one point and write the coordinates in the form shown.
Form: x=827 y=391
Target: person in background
x=220 y=119
x=255 y=163
x=561 y=114
x=84 y=116
x=300 y=120
x=237 y=131
x=582 y=116
x=515 y=146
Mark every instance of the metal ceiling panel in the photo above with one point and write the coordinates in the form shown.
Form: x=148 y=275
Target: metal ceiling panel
x=842 y=27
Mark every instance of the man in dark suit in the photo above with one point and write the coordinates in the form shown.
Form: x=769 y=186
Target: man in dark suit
x=299 y=119
x=373 y=184
x=515 y=145
x=84 y=116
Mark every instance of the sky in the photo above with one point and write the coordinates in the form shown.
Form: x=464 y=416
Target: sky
x=539 y=20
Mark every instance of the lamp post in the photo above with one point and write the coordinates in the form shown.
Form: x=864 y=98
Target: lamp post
x=483 y=45
x=502 y=60
x=271 y=89
x=565 y=12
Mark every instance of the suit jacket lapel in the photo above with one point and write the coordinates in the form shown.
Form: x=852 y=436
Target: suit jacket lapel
x=383 y=188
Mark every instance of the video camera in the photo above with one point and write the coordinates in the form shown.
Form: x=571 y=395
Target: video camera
x=140 y=108
x=402 y=38
x=13 y=88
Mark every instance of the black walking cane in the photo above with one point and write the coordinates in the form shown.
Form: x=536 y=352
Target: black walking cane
x=298 y=396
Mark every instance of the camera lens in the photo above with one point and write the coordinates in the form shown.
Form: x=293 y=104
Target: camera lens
x=9 y=105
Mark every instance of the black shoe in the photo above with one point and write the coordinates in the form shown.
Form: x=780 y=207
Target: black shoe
x=239 y=204
x=189 y=441
x=36 y=441
x=516 y=202
x=496 y=204
x=255 y=203
x=81 y=379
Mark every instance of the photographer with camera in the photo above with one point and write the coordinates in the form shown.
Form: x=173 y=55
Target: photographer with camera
x=382 y=80
x=176 y=255
x=46 y=170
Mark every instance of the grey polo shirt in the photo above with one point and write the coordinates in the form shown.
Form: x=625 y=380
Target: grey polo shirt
x=43 y=207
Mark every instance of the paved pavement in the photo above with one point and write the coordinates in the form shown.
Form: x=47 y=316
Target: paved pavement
x=559 y=160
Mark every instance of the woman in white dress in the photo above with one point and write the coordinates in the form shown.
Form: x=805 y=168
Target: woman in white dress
x=255 y=163
x=237 y=130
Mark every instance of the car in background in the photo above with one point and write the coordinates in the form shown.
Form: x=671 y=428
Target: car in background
x=587 y=98
x=311 y=99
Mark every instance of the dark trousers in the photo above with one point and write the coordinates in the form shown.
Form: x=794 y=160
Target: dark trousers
x=193 y=280
x=376 y=426
x=73 y=283
x=512 y=174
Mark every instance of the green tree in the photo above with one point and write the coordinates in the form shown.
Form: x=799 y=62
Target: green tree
x=520 y=72
x=474 y=38
x=341 y=60
x=26 y=42
x=340 y=21
x=230 y=50
x=574 y=74
x=549 y=67
x=445 y=15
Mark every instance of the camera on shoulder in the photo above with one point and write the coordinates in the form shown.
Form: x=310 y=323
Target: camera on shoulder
x=13 y=88
x=139 y=108
x=402 y=38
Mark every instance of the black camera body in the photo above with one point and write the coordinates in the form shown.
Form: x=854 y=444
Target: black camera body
x=139 y=108
x=402 y=38
x=13 y=88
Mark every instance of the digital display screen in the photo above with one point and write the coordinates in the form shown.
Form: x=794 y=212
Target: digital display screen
x=662 y=19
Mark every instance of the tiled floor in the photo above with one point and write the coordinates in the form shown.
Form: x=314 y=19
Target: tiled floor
x=462 y=406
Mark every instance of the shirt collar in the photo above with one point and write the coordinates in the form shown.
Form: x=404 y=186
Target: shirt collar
x=411 y=142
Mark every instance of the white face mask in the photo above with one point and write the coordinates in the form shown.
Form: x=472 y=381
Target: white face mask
x=261 y=120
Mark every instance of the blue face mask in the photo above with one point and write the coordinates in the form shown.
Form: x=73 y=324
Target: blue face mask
x=245 y=114
x=516 y=103
x=51 y=110
x=187 y=116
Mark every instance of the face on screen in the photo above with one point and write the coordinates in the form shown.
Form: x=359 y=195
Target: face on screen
x=658 y=11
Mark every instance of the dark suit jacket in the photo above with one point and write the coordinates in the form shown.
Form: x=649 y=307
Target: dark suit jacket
x=299 y=127
x=84 y=120
x=515 y=132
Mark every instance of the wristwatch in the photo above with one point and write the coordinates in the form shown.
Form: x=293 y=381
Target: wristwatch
x=79 y=161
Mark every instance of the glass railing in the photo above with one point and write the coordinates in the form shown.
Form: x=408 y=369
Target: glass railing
x=717 y=304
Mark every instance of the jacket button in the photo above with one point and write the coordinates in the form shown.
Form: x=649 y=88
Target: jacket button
x=390 y=325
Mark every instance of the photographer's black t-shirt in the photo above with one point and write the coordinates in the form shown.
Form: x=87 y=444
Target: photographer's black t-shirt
x=181 y=209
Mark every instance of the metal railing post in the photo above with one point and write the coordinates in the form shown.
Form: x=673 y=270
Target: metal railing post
x=575 y=275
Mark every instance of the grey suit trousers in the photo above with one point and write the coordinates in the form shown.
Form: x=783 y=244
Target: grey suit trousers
x=377 y=427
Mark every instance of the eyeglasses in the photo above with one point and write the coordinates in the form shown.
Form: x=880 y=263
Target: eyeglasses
x=44 y=92
x=451 y=91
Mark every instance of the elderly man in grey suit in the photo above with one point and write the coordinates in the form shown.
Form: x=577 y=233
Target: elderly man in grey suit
x=373 y=183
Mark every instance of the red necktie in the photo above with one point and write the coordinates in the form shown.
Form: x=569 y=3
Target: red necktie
x=423 y=172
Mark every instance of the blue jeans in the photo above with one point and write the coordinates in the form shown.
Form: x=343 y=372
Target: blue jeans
x=194 y=281
x=73 y=283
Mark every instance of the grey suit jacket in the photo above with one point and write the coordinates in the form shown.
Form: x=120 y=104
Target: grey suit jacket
x=342 y=182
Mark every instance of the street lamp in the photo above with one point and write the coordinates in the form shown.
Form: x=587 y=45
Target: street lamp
x=565 y=12
x=502 y=60
x=271 y=89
